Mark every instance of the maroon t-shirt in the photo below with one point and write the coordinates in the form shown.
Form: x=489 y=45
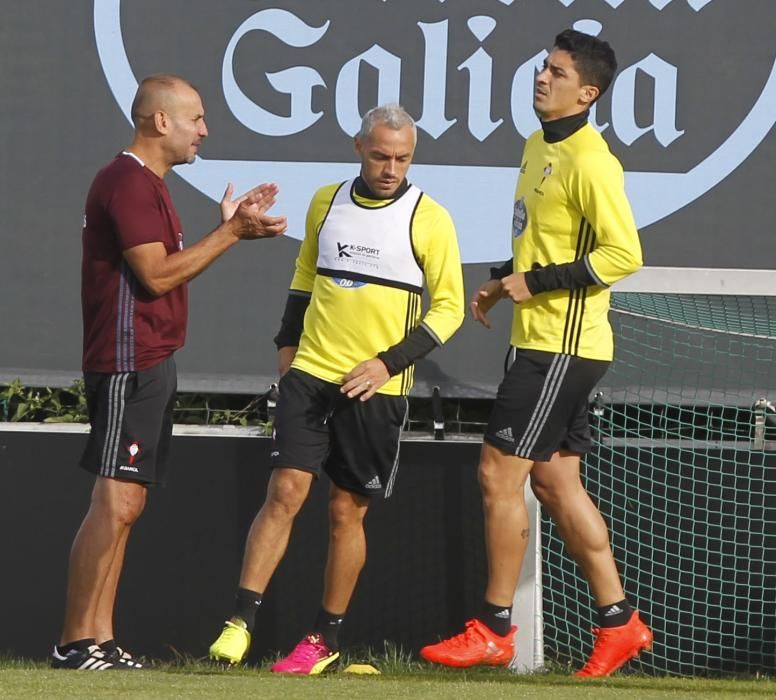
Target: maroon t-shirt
x=125 y=327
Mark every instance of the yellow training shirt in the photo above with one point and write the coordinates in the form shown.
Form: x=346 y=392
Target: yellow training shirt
x=365 y=262
x=570 y=205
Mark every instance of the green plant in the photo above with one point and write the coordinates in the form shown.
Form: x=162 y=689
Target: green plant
x=199 y=409
x=21 y=403
x=68 y=405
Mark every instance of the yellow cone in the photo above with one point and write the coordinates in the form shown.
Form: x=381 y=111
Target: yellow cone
x=362 y=669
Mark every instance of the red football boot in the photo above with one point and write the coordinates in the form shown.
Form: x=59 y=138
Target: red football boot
x=477 y=644
x=615 y=646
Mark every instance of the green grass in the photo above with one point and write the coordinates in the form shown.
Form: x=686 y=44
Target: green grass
x=401 y=678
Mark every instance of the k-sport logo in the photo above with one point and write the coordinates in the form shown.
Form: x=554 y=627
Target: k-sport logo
x=342 y=250
x=432 y=47
x=348 y=250
x=357 y=256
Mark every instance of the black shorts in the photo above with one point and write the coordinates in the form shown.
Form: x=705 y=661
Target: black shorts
x=542 y=405
x=356 y=443
x=131 y=417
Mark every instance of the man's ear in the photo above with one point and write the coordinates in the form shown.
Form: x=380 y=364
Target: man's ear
x=161 y=121
x=590 y=94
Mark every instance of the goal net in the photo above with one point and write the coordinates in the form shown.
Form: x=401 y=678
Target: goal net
x=684 y=473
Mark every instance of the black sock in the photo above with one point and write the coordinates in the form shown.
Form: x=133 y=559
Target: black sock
x=108 y=646
x=79 y=644
x=497 y=617
x=615 y=614
x=328 y=626
x=247 y=602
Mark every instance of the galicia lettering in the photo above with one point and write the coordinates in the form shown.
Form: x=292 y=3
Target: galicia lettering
x=493 y=100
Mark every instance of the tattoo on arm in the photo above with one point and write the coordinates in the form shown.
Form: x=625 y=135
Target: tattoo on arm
x=524 y=533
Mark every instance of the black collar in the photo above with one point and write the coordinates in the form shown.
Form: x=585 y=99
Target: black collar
x=362 y=189
x=559 y=129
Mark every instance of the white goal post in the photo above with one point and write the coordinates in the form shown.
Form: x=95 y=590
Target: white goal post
x=527 y=604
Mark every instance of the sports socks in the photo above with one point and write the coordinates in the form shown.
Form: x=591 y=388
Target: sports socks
x=78 y=644
x=247 y=603
x=328 y=626
x=615 y=614
x=497 y=617
x=108 y=646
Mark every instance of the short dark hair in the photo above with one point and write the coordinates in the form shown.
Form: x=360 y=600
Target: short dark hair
x=151 y=92
x=594 y=58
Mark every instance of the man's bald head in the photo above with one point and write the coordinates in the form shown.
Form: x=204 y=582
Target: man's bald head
x=158 y=93
x=169 y=122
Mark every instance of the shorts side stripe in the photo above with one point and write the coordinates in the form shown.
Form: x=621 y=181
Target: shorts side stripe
x=538 y=411
x=119 y=424
x=395 y=467
x=552 y=384
x=543 y=407
x=109 y=429
x=117 y=415
x=116 y=402
x=554 y=388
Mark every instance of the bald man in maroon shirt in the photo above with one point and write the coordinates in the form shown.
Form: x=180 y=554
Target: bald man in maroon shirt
x=134 y=299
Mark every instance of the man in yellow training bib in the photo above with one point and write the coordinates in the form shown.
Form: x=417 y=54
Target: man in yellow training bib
x=351 y=331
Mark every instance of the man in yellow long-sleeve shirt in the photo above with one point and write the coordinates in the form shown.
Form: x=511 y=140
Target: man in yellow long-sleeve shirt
x=351 y=331
x=573 y=235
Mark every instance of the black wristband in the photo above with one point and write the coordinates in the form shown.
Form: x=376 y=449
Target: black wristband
x=416 y=345
x=499 y=273
x=565 y=276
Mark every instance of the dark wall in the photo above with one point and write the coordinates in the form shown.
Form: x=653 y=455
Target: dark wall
x=424 y=574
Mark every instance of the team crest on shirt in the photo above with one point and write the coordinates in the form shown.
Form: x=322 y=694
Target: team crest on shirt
x=519 y=217
x=545 y=174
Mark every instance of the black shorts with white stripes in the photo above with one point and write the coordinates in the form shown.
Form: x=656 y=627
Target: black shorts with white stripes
x=317 y=428
x=131 y=417
x=542 y=405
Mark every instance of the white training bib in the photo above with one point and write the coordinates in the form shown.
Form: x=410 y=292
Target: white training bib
x=370 y=244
